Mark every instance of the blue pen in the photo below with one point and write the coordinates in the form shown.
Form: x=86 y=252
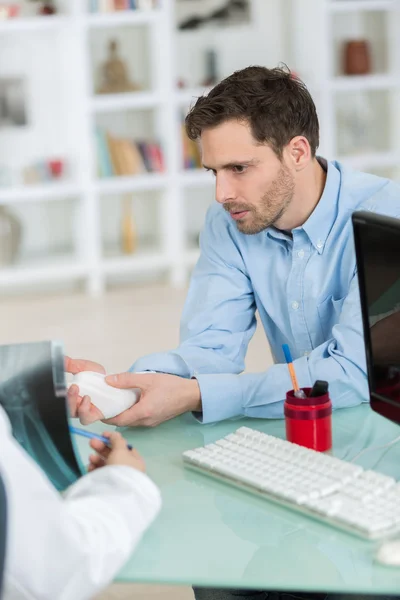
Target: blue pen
x=91 y=435
x=297 y=391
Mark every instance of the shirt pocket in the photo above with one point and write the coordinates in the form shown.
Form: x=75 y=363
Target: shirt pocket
x=329 y=313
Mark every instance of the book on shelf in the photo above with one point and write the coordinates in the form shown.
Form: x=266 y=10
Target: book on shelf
x=121 y=156
x=191 y=152
x=107 y=6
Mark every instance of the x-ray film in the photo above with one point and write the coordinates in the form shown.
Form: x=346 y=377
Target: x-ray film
x=33 y=392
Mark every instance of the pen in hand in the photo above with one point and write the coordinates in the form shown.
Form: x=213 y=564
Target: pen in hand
x=91 y=435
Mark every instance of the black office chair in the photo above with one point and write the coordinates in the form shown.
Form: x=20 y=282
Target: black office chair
x=3 y=530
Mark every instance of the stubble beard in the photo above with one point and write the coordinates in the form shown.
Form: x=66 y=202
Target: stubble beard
x=273 y=205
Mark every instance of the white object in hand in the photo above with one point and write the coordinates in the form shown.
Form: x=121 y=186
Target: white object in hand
x=389 y=553
x=109 y=400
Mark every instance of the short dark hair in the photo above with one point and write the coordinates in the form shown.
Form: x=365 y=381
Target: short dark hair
x=275 y=103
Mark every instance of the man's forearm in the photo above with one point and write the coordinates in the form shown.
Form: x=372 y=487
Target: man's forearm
x=261 y=395
x=189 y=361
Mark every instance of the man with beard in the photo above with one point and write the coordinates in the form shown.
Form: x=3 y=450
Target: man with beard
x=278 y=241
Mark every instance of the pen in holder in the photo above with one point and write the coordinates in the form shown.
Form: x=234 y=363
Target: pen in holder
x=309 y=420
x=308 y=412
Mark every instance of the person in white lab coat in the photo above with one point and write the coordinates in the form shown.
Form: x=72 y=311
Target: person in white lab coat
x=70 y=546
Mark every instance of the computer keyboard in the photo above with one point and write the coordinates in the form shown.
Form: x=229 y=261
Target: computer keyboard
x=344 y=495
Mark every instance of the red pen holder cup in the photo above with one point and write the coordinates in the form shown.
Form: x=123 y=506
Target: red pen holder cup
x=309 y=420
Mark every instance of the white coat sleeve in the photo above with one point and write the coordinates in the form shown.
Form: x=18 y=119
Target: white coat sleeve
x=69 y=547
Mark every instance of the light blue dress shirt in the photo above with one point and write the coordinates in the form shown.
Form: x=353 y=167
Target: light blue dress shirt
x=305 y=289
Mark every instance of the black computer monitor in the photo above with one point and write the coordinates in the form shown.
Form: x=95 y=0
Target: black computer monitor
x=377 y=244
x=33 y=393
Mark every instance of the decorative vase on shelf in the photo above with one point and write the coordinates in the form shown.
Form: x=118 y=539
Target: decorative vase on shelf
x=46 y=7
x=10 y=237
x=128 y=227
x=357 y=57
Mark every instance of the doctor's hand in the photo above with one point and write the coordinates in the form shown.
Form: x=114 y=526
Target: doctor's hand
x=118 y=454
x=78 y=406
x=163 y=397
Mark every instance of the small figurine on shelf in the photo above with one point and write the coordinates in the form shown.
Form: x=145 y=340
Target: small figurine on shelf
x=43 y=170
x=128 y=229
x=46 y=7
x=56 y=168
x=115 y=78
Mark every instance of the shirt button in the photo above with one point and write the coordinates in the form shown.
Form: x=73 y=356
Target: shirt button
x=295 y=305
x=306 y=353
x=320 y=245
x=300 y=253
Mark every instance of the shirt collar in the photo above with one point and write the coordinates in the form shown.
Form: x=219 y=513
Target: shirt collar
x=320 y=222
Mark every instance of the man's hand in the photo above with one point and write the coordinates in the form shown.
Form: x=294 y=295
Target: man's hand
x=78 y=406
x=162 y=397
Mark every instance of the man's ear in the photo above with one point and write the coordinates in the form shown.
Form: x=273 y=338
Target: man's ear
x=298 y=153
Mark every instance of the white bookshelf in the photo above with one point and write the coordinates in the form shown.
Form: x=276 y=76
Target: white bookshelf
x=378 y=160
x=35 y=192
x=195 y=177
x=326 y=25
x=90 y=262
x=191 y=257
x=311 y=37
x=142 y=261
x=186 y=97
x=34 y=24
x=359 y=83
x=136 y=183
x=346 y=6
x=121 y=18
x=45 y=270
x=132 y=101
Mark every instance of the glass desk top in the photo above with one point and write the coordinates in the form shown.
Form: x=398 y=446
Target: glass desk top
x=211 y=534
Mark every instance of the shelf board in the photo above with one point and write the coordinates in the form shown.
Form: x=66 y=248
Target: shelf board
x=115 y=102
x=360 y=5
x=194 y=177
x=191 y=257
x=188 y=96
x=38 y=192
x=370 y=160
x=137 y=262
x=121 y=18
x=126 y=184
x=363 y=82
x=58 y=267
x=34 y=24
